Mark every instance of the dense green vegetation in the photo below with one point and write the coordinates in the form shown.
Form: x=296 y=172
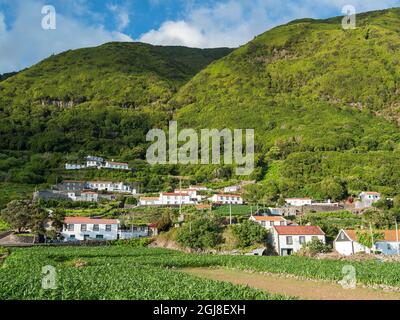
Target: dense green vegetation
x=134 y=273
x=117 y=273
x=321 y=100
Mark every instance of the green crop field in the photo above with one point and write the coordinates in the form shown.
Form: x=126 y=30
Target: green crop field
x=124 y=273
x=116 y=273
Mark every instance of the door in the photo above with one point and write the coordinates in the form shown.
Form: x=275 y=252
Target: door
x=286 y=252
x=86 y=237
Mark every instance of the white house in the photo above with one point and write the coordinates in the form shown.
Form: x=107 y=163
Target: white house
x=83 y=229
x=346 y=243
x=94 y=162
x=116 y=165
x=290 y=239
x=192 y=193
x=84 y=196
x=367 y=199
x=298 y=202
x=110 y=186
x=149 y=201
x=175 y=198
x=226 y=199
x=69 y=166
x=268 y=222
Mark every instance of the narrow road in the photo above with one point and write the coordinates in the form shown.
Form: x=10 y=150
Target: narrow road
x=303 y=289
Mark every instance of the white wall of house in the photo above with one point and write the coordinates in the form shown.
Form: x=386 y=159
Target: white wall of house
x=149 y=201
x=269 y=224
x=226 y=199
x=298 y=202
x=115 y=165
x=176 y=199
x=109 y=186
x=293 y=242
x=348 y=248
x=77 y=233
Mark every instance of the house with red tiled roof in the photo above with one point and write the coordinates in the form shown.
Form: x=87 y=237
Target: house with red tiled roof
x=88 y=229
x=268 y=222
x=85 y=229
x=386 y=241
x=290 y=239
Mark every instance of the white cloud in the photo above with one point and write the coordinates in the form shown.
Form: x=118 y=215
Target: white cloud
x=234 y=22
x=121 y=14
x=25 y=42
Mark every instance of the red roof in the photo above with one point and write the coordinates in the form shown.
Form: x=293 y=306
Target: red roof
x=299 y=230
x=175 y=194
x=83 y=220
x=269 y=218
x=389 y=235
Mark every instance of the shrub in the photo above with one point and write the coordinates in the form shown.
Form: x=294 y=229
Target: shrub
x=201 y=233
x=249 y=233
x=314 y=247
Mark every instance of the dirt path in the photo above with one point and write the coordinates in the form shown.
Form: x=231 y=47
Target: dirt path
x=303 y=289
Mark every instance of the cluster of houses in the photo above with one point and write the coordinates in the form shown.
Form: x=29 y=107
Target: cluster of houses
x=98 y=163
x=190 y=196
x=88 y=229
x=86 y=191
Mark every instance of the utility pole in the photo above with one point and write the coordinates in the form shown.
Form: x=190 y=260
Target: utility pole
x=372 y=235
x=230 y=214
x=397 y=238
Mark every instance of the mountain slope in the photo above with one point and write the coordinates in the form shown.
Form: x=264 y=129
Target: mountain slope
x=100 y=99
x=314 y=93
x=123 y=74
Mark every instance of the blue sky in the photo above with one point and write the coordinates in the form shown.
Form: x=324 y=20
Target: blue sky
x=195 y=23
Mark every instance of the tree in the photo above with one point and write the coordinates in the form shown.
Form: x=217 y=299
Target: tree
x=333 y=189
x=249 y=233
x=18 y=214
x=164 y=223
x=57 y=218
x=201 y=233
x=365 y=237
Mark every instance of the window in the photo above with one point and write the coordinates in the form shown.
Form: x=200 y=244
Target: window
x=282 y=223
x=314 y=238
x=83 y=227
x=96 y=227
x=289 y=240
x=108 y=228
x=263 y=223
x=99 y=237
x=71 y=227
x=302 y=239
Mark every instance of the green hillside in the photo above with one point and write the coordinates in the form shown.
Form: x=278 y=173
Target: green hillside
x=99 y=100
x=324 y=102
x=95 y=99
